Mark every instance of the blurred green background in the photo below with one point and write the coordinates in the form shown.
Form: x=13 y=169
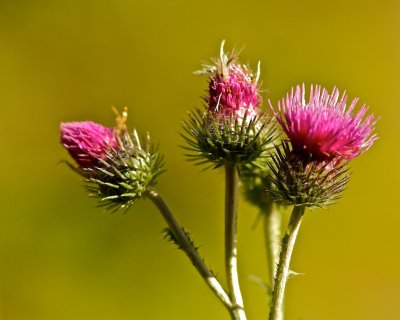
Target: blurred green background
x=62 y=258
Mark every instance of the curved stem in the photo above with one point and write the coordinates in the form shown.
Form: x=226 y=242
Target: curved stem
x=282 y=272
x=187 y=246
x=231 y=204
x=272 y=234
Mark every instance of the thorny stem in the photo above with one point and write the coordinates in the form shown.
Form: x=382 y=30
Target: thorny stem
x=282 y=272
x=188 y=248
x=272 y=234
x=231 y=205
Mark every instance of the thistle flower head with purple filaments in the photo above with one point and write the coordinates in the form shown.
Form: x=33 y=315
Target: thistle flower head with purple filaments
x=231 y=130
x=324 y=135
x=325 y=128
x=233 y=89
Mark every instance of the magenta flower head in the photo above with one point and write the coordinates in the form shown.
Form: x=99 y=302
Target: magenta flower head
x=324 y=134
x=325 y=128
x=233 y=89
x=87 y=141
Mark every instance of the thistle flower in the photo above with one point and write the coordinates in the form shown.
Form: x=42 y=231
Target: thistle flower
x=325 y=128
x=233 y=89
x=117 y=168
x=231 y=130
x=87 y=142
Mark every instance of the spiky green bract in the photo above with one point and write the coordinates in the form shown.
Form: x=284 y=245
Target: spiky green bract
x=125 y=174
x=220 y=140
x=305 y=183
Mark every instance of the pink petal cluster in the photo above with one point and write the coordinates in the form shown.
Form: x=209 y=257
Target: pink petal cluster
x=234 y=93
x=325 y=128
x=87 y=141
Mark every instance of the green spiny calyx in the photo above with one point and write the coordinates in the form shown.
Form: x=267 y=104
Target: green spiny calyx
x=126 y=172
x=221 y=140
x=305 y=183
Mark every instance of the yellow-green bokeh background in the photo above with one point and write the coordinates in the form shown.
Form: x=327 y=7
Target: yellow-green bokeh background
x=62 y=258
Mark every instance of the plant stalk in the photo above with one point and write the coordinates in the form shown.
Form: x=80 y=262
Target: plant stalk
x=231 y=205
x=272 y=234
x=282 y=273
x=187 y=247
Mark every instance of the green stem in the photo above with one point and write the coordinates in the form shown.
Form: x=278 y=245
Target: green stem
x=187 y=247
x=231 y=205
x=272 y=233
x=282 y=272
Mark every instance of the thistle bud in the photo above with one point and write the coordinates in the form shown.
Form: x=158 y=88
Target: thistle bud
x=254 y=184
x=117 y=169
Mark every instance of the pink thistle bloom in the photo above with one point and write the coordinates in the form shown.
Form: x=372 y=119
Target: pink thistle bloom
x=232 y=89
x=325 y=128
x=87 y=141
x=235 y=93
